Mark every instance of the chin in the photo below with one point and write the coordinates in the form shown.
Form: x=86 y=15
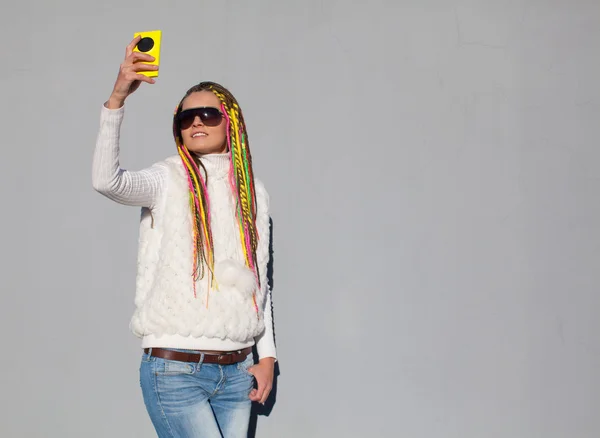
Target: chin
x=206 y=149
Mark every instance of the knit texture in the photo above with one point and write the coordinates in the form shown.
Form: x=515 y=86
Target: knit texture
x=167 y=313
x=165 y=298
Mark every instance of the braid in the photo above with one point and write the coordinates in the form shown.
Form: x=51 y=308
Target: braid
x=200 y=208
x=242 y=185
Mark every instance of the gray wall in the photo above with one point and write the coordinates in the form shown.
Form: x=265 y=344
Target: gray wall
x=433 y=169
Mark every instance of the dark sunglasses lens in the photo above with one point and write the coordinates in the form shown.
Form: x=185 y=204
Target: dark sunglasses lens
x=186 y=118
x=209 y=116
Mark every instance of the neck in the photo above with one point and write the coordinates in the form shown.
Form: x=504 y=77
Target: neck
x=215 y=164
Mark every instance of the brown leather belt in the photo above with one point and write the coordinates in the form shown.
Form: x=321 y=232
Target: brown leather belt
x=225 y=358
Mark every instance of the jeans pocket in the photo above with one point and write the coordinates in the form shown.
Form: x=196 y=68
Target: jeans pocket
x=147 y=358
x=246 y=363
x=173 y=368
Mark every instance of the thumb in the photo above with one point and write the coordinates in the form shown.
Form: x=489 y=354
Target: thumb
x=251 y=369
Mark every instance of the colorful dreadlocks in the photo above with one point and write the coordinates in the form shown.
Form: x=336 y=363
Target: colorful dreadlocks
x=241 y=179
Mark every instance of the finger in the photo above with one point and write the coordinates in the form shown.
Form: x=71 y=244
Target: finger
x=132 y=45
x=265 y=396
x=140 y=56
x=253 y=396
x=131 y=74
x=129 y=71
x=140 y=66
x=260 y=391
x=143 y=78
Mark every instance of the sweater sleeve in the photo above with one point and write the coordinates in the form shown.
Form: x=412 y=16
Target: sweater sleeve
x=265 y=342
x=139 y=188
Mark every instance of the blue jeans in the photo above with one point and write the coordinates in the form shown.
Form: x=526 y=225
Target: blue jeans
x=188 y=399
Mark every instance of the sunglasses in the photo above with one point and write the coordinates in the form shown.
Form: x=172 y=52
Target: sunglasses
x=209 y=116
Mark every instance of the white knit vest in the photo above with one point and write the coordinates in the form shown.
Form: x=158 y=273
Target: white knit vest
x=165 y=302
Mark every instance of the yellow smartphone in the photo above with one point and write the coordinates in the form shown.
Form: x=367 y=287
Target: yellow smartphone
x=150 y=44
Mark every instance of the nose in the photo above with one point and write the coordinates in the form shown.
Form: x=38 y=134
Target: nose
x=197 y=121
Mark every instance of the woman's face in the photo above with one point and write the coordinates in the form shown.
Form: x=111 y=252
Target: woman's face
x=198 y=137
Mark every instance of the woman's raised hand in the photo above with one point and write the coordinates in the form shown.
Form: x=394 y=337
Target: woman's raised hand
x=129 y=78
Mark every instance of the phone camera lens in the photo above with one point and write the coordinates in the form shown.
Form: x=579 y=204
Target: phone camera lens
x=145 y=44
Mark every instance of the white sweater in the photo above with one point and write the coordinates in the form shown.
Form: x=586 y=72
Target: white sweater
x=167 y=314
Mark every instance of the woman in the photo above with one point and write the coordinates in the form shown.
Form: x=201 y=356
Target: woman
x=202 y=298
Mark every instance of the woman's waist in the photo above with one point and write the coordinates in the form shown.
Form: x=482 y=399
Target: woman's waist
x=204 y=344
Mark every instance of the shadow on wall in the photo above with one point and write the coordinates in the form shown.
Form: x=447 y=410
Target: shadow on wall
x=258 y=409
